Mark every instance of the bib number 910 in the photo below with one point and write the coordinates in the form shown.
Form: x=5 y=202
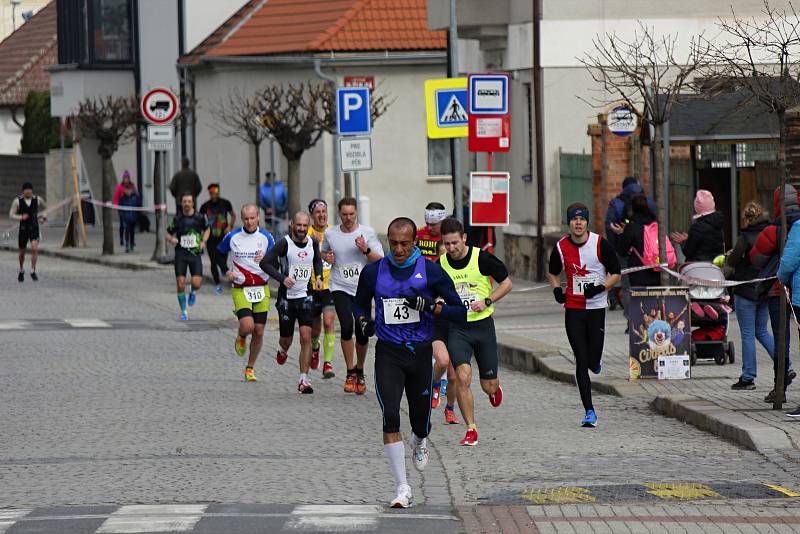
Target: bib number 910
x=254 y=294
x=396 y=312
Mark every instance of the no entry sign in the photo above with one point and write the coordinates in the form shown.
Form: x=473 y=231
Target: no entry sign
x=489 y=203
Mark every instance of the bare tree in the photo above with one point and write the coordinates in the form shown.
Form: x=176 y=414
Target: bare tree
x=761 y=55
x=297 y=116
x=648 y=75
x=111 y=121
x=238 y=116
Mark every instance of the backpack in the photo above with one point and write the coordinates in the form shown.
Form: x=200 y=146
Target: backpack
x=649 y=254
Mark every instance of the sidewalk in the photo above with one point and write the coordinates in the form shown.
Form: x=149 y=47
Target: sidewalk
x=705 y=401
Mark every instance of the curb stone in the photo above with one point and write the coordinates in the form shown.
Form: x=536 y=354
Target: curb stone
x=533 y=356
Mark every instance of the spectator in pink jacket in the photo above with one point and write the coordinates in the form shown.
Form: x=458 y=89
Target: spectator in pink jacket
x=118 y=192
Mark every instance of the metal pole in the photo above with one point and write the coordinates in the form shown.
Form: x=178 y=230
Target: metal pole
x=357 y=191
x=734 y=195
x=272 y=186
x=665 y=142
x=336 y=163
x=456 y=152
x=63 y=167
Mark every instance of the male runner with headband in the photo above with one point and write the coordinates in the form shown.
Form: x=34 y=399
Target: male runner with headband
x=591 y=267
x=324 y=309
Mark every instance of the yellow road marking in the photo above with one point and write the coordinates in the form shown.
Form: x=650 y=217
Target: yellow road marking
x=681 y=491
x=787 y=492
x=566 y=495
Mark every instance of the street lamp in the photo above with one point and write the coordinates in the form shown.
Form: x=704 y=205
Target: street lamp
x=14 y=4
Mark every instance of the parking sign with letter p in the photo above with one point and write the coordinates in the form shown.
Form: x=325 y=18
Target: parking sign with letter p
x=353 y=111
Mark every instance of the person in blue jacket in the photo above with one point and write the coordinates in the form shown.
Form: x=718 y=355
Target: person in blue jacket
x=789 y=277
x=274 y=215
x=129 y=218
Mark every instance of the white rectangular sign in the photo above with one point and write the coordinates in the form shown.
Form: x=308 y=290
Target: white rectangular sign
x=355 y=153
x=160 y=137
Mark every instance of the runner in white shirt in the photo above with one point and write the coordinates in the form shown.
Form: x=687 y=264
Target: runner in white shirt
x=245 y=247
x=348 y=248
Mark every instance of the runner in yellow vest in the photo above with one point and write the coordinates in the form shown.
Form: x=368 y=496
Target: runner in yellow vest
x=325 y=312
x=472 y=271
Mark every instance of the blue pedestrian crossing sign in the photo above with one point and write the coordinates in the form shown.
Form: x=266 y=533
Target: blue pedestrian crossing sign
x=353 y=111
x=446 y=107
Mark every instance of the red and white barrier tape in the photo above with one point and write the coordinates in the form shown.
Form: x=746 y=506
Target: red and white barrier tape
x=105 y=204
x=42 y=213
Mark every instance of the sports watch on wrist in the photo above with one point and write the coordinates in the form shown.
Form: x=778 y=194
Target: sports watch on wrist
x=488 y=301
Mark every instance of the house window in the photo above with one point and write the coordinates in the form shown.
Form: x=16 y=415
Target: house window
x=439 y=157
x=95 y=32
x=111 y=30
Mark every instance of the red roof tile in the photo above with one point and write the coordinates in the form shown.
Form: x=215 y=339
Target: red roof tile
x=297 y=26
x=25 y=53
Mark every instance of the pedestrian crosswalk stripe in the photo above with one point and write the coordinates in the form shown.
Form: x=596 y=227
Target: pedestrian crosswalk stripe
x=330 y=518
x=14 y=325
x=153 y=518
x=9 y=517
x=87 y=323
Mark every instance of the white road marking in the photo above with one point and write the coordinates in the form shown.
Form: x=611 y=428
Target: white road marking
x=9 y=517
x=333 y=518
x=87 y=323
x=14 y=325
x=153 y=518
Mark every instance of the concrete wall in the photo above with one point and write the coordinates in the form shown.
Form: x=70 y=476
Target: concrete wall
x=69 y=87
x=397 y=185
x=10 y=133
x=16 y=170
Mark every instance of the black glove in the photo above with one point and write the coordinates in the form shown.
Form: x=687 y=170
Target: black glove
x=593 y=290
x=559 y=295
x=420 y=303
x=367 y=326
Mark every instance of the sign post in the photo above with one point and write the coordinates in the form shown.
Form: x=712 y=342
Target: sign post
x=488 y=198
x=353 y=118
x=159 y=107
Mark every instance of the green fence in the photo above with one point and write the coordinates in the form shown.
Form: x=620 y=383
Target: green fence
x=576 y=180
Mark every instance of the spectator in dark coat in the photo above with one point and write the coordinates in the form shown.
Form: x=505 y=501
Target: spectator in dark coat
x=706 y=238
x=129 y=218
x=184 y=182
x=630 y=240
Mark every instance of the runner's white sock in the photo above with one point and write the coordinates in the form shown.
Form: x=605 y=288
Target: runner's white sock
x=303 y=376
x=416 y=441
x=396 y=454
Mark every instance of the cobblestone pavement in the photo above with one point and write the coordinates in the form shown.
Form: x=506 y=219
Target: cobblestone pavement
x=108 y=401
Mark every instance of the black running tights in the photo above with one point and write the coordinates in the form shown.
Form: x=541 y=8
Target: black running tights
x=586 y=333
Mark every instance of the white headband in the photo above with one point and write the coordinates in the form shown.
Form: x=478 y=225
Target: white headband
x=434 y=216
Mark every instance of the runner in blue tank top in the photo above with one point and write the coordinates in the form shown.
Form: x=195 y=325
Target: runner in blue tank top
x=408 y=292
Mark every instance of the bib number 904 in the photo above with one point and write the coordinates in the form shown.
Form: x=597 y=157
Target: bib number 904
x=350 y=271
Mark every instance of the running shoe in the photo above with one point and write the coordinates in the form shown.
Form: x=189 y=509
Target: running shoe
x=496 y=399
x=34 y=277
x=218 y=290
x=589 y=420
x=184 y=316
x=249 y=375
x=314 y=359
x=192 y=298
x=361 y=385
x=350 y=383
x=21 y=276
x=327 y=370
x=597 y=369
x=240 y=345
x=470 y=438
x=795 y=413
x=435 y=396
x=443 y=390
x=281 y=356
x=450 y=416
x=304 y=387
x=403 y=498
x=420 y=456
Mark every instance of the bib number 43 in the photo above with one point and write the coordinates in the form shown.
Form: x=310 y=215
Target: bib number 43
x=396 y=312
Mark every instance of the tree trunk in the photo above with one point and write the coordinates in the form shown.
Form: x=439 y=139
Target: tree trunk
x=108 y=213
x=661 y=202
x=780 y=353
x=294 y=186
x=158 y=198
x=257 y=147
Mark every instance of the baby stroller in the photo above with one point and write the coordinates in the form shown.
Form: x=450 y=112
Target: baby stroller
x=710 y=315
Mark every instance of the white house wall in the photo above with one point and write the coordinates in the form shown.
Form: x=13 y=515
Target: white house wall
x=10 y=133
x=397 y=185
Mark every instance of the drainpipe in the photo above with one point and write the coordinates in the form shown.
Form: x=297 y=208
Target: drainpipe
x=336 y=171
